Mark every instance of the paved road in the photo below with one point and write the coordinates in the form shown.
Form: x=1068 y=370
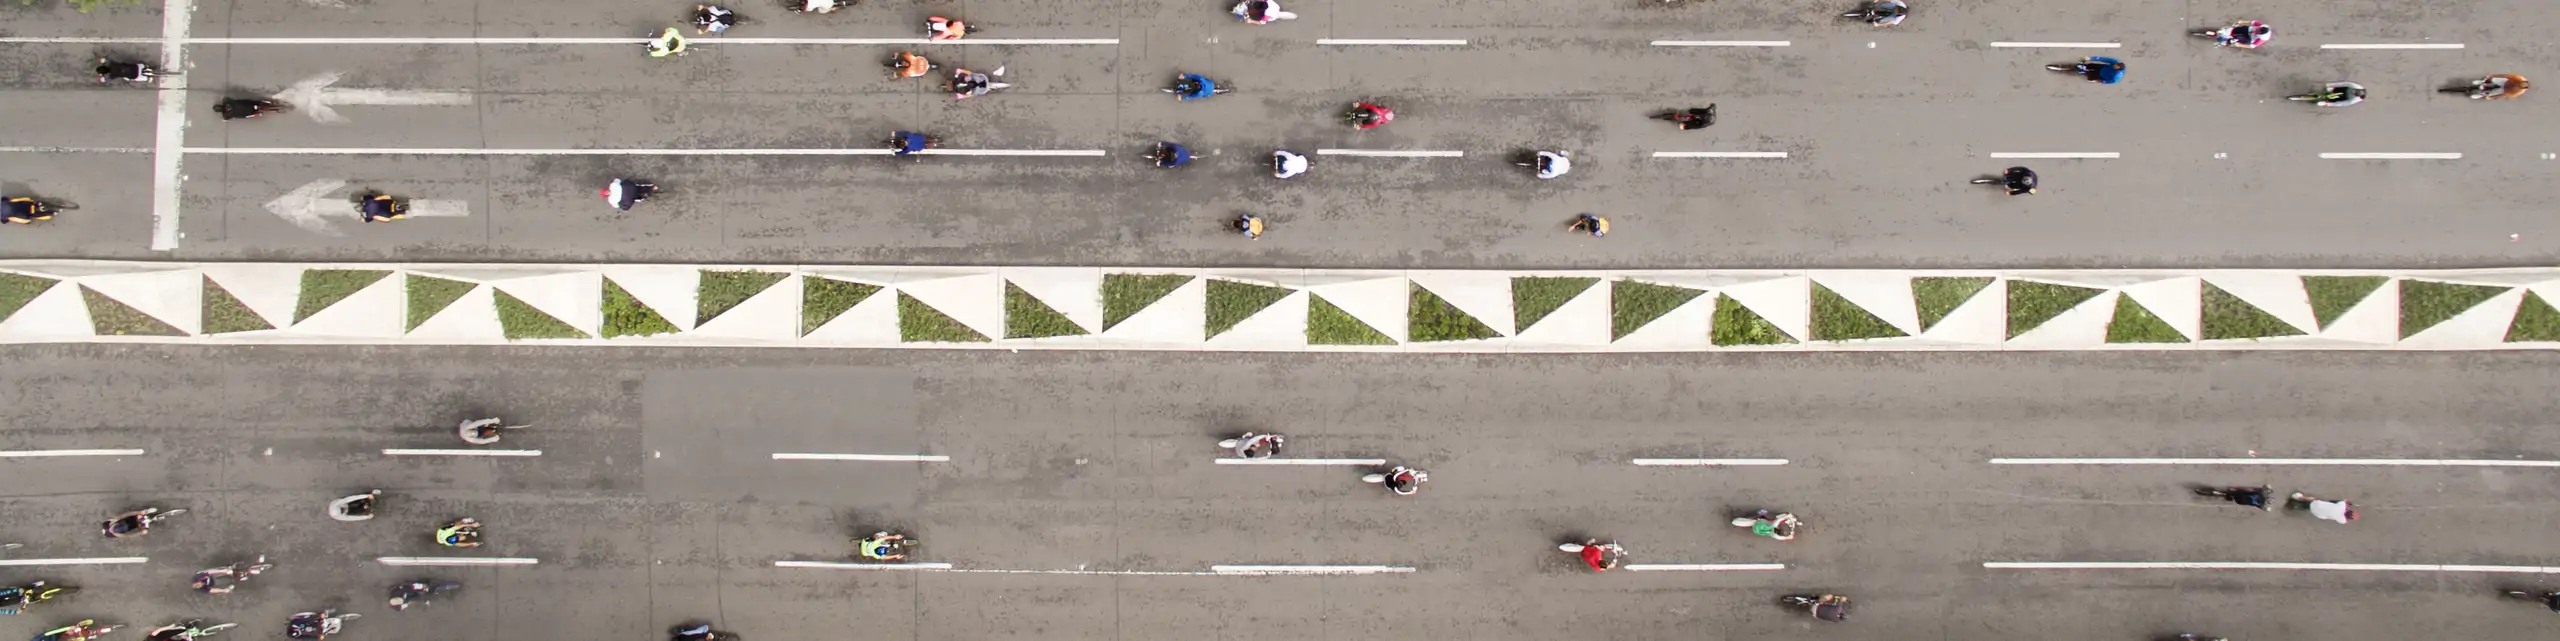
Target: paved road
x=655 y=498
x=1882 y=128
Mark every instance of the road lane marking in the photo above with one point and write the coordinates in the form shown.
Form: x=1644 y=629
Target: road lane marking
x=912 y=458
x=2057 y=45
x=1273 y=570
x=2214 y=565
x=1721 y=43
x=169 y=135
x=1390 y=153
x=399 y=452
x=2393 y=156
x=1302 y=461
x=2386 y=462
x=77 y=150
x=181 y=39
x=54 y=453
x=837 y=565
x=358 y=151
x=1703 y=567
x=1719 y=154
x=1708 y=462
x=2060 y=154
x=456 y=560
x=2392 y=46
x=1361 y=41
x=103 y=560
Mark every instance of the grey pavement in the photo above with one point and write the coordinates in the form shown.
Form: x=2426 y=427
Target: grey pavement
x=1882 y=128
x=655 y=499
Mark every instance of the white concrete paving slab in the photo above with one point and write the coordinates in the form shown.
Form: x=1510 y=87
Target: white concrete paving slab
x=1281 y=326
x=769 y=315
x=2278 y=293
x=1785 y=302
x=265 y=288
x=1582 y=323
x=379 y=310
x=2177 y=301
x=2485 y=321
x=1177 y=319
x=2082 y=326
x=576 y=298
x=674 y=291
x=58 y=312
x=1381 y=302
x=972 y=296
x=175 y=297
x=1485 y=295
x=1073 y=291
x=471 y=318
x=1980 y=320
x=1885 y=294
x=870 y=323
x=2374 y=320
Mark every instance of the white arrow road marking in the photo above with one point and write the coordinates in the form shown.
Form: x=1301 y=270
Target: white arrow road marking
x=314 y=95
x=439 y=209
x=302 y=206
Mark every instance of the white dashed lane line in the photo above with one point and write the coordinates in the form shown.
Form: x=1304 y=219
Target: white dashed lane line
x=55 y=453
x=1708 y=462
x=1302 y=461
x=2057 y=45
x=2282 y=462
x=906 y=458
x=1719 y=154
x=1722 y=43
x=407 y=561
x=2392 y=46
x=2219 y=565
x=2393 y=156
x=506 y=453
x=1705 y=567
x=2081 y=155
x=1406 y=43
x=110 y=560
x=1390 y=153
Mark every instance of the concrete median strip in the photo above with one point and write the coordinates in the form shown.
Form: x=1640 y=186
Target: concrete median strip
x=1272 y=310
x=2234 y=565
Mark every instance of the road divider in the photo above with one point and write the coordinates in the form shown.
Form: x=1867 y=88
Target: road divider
x=908 y=458
x=1708 y=462
x=2219 y=565
x=2088 y=155
x=1719 y=154
x=2393 y=156
x=2057 y=45
x=1721 y=43
x=55 y=453
x=406 y=561
x=103 y=560
x=1390 y=153
x=1302 y=461
x=2327 y=462
x=2393 y=46
x=1410 y=43
x=400 y=452
x=1703 y=567
x=1278 y=570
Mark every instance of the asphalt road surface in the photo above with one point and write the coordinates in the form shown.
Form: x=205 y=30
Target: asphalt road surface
x=1089 y=479
x=1881 y=128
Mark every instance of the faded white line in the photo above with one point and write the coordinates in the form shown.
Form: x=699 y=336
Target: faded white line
x=104 y=560
x=2057 y=45
x=1705 y=567
x=912 y=458
x=1719 y=154
x=397 y=452
x=169 y=135
x=1388 y=153
x=2217 y=565
x=2394 y=156
x=2392 y=46
x=77 y=150
x=181 y=39
x=2335 y=462
x=1708 y=462
x=837 y=565
x=53 y=453
x=455 y=560
x=1721 y=43
x=1421 y=43
x=1273 y=570
x=2060 y=154
x=456 y=151
x=1302 y=461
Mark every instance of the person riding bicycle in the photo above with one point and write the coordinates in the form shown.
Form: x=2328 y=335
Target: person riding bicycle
x=1287 y=164
x=1251 y=226
x=112 y=69
x=1886 y=13
x=1169 y=155
x=379 y=207
x=668 y=43
x=81 y=631
x=881 y=547
x=966 y=83
x=1831 y=607
x=908 y=64
x=1552 y=164
x=904 y=143
x=2019 y=180
x=238 y=108
x=2105 y=71
x=2340 y=94
x=2499 y=87
x=25 y=211
x=462 y=533
x=135 y=523
x=1695 y=118
x=357 y=507
x=313 y=625
x=189 y=630
x=941 y=28
x=1369 y=116
x=2246 y=34
x=712 y=18
x=1591 y=224
x=1192 y=86
x=481 y=431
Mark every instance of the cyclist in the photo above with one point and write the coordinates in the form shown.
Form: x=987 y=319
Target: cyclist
x=462 y=533
x=2340 y=94
x=668 y=43
x=25 y=211
x=880 y=547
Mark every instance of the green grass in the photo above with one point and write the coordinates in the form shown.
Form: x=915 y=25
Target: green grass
x=2135 y=324
x=1837 y=319
x=17 y=290
x=224 y=313
x=2423 y=304
x=2226 y=316
x=1329 y=325
x=1432 y=318
x=921 y=323
x=324 y=287
x=84 y=6
x=822 y=299
x=1632 y=304
x=2536 y=321
x=110 y=317
x=2332 y=296
x=1124 y=295
x=1534 y=297
x=1738 y=325
x=1231 y=302
x=429 y=296
x=721 y=291
x=1938 y=296
x=1025 y=316
x=520 y=320
x=625 y=315
x=2032 y=303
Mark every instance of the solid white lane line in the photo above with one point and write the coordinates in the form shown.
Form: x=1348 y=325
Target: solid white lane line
x=53 y=453
x=78 y=150
x=2393 y=156
x=169 y=134
x=1088 y=572
x=1361 y=41
x=1302 y=461
x=2219 y=565
x=104 y=560
x=400 y=452
x=358 y=151
x=2342 y=462
x=2392 y=46
x=1721 y=43
x=1271 y=570
x=2059 y=154
x=1719 y=154
x=181 y=39
x=1704 y=567
x=910 y=458
x=1708 y=462
x=839 y=565
x=1390 y=153
x=455 y=560
x=2057 y=45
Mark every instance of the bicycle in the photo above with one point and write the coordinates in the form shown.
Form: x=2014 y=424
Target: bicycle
x=193 y=629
